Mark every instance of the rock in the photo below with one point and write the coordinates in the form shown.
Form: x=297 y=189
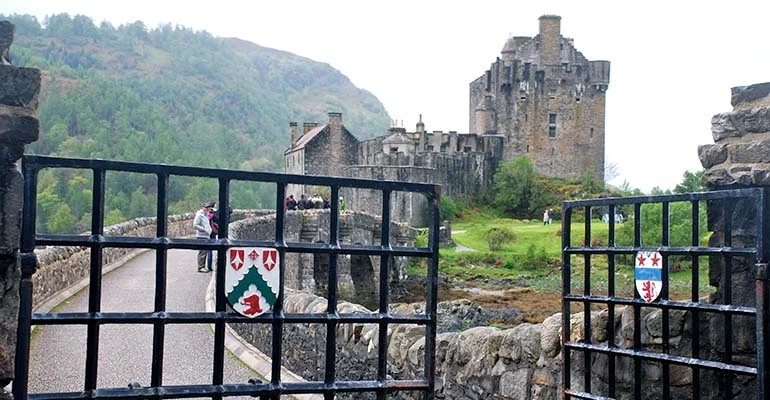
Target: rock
x=753 y=95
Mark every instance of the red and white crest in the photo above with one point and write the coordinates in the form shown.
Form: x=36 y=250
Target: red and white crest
x=252 y=290
x=269 y=258
x=648 y=274
x=236 y=258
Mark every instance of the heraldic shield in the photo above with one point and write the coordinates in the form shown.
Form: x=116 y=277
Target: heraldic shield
x=648 y=272
x=252 y=280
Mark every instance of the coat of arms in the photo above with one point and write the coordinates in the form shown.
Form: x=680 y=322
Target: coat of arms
x=252 y=280
x=648 y=274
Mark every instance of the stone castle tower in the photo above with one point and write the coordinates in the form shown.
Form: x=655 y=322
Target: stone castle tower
x=542 y=100
x=547 y=100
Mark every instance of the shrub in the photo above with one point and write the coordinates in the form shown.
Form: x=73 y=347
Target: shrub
x=534 y=258
x=497 y=237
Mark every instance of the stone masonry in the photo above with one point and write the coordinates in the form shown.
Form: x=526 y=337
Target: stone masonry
x=19 y=89
x=541 y=99
x=548 y=102
x=739 y=158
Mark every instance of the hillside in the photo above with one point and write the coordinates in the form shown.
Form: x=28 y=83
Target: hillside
x=178 y=96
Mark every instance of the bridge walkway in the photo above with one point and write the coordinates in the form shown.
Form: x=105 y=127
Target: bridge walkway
x=57 y=355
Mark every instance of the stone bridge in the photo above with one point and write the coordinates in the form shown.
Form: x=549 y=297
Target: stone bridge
x=358 y=276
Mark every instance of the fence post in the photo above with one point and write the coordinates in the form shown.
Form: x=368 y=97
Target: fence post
x=18 y=127
x=736 y=160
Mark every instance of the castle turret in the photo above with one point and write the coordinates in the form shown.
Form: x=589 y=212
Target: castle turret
x=599 y=74
x=420 y=135
x=550 y=39
x=485 y=115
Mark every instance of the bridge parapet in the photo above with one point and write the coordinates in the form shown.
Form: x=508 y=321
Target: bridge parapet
x=305 y=272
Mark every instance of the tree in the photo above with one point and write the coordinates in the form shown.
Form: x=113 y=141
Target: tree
x=611 y=171
x=691 y=182
x=517 y=189
x=590 y=185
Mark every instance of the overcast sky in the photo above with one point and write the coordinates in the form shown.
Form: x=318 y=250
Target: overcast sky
x=673 y=62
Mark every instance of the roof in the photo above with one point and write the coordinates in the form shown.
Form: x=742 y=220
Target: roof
x=397 y=138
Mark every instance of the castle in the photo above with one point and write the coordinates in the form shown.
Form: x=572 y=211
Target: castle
x=541 y=99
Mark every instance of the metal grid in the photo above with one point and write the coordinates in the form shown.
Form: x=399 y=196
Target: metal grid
x=160 y=318
x=584 y=351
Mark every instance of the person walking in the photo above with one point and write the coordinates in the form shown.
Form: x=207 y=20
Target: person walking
x=202 y=228
x=545 y=217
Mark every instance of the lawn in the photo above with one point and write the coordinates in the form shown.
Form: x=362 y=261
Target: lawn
x=533 y=259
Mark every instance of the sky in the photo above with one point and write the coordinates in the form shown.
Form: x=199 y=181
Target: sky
x=673 y=63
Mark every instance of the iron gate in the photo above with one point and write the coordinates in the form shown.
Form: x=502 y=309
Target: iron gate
x=93 y=319
x=690 y=342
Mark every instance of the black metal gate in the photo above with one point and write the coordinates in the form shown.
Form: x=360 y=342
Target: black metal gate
x=692 y=341
x=93 y=319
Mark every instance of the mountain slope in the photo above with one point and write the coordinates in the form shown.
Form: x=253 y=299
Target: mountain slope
x=177 y=96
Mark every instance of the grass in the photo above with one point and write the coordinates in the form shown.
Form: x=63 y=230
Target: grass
x=533 y=259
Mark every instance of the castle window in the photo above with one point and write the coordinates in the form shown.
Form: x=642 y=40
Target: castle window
x=467 y=149
x=393 y=150
x=443 y=148
x=577 y=99
x=552 y=125
x=430 y=147
x=527 y=148
x=591 y=133
x=523 y=98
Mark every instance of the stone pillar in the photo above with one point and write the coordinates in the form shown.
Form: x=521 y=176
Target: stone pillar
x=739 y=158
x=19 y=88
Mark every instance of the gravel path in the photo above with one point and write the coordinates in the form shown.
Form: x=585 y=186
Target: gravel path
x=57 y=357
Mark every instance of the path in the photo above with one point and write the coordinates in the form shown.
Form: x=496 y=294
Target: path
x=57 y=356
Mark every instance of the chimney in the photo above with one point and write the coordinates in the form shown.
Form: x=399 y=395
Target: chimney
x=307 y=126
x=335 y=118
x=550 y=39
x=293 y=131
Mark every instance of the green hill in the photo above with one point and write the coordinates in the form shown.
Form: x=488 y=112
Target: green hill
x=178 y=96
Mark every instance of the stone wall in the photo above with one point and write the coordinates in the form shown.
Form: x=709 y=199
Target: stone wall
x=19 y=126
x=458 y=174
x=739 y=157
x=61 y=267
x=534 y=78
x=483 y=362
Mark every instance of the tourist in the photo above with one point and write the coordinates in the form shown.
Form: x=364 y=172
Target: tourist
x=202 y=228
x=214 y=221
x=291 y=204
x=302 y=204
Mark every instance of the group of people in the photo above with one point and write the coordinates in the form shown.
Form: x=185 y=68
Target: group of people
x=308 y=203
x=206 y=224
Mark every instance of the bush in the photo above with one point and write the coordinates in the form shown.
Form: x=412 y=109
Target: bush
x=497 y=237
x=535 y=257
